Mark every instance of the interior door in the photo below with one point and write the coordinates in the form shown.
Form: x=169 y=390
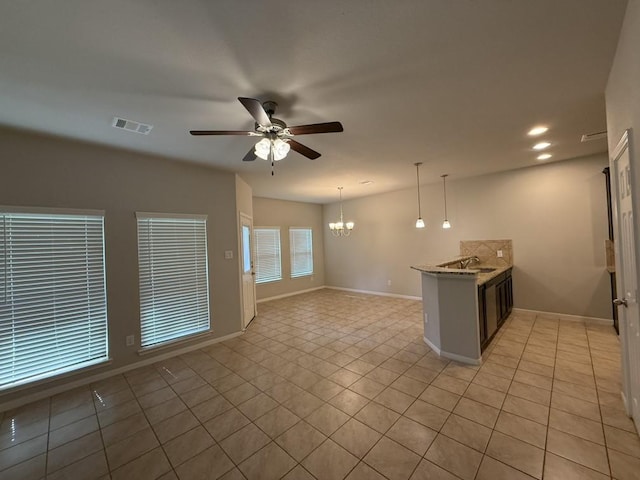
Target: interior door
x=248 y=274
x=627 y=279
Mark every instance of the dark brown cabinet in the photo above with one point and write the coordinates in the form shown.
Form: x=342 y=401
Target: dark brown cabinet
x=495 y=302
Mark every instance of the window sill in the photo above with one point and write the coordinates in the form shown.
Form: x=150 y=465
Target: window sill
x=174 y=343
x=66 y=373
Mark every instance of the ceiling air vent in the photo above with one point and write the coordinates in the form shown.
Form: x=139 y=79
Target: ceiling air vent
x=588 y=137
x=131 y=126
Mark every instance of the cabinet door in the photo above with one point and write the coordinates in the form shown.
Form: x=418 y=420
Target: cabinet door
x=509 y=295
x=482 y=315
x=500 y=302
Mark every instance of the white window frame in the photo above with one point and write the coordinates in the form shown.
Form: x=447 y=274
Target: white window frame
x=173 y=272
x=301 y=251
x=267 y=271
x=53 y=306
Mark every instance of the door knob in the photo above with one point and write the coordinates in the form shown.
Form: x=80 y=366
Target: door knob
x=620 y=301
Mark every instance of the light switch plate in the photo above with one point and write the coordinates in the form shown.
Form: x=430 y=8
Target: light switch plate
x=499 y=253
x=130 y=340
x=228 y=254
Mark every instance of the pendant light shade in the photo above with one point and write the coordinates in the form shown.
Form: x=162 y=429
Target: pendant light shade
x=446 y=225
x=419 y=221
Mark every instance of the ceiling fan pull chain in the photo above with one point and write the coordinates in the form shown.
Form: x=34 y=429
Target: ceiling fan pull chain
x=272 y=160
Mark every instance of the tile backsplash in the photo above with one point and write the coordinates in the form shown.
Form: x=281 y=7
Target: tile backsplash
x=487 y=251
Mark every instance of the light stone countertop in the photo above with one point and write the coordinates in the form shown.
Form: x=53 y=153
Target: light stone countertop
x=444 y=268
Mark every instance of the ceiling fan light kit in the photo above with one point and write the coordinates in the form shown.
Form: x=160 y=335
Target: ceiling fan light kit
x=277 y=137
x=265 y=147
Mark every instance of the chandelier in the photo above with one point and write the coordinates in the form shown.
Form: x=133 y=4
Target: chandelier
x=340 y=228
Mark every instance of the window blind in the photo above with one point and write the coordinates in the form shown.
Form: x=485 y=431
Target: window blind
x=301 y=250
x=174 y=284
x=268 y=262
x=53 y=311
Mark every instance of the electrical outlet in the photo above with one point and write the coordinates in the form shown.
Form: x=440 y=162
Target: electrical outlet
x=426 y=318
x=228 y=254
x=499 y=253
x=130 y=340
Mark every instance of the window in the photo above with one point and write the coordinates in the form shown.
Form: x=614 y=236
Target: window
x=174 y=284
x=268 y=264
x=53 y=310
x=301 y=249
x=246 y=249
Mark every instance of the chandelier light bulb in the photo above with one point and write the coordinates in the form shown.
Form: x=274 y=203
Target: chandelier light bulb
x=446 y=224
x=420 y=223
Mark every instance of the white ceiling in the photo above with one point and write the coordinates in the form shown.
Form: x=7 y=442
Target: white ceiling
x=455 y=84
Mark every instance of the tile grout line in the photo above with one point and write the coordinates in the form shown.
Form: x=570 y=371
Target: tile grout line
x=595 y=381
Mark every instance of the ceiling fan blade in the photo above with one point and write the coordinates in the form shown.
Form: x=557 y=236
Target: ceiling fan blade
x=250 y=156
x=254 y=107
x=221 y=132
x=328 y=127
x=302 y=150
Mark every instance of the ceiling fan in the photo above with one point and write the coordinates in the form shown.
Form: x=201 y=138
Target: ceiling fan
x=277 y=137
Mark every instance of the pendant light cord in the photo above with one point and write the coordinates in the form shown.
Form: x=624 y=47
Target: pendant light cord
x=418 y=184
x=444 y=189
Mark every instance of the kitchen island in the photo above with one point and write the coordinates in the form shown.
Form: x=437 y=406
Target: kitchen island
x=464 y=307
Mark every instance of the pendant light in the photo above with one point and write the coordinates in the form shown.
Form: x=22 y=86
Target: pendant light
x=340 y=228
x=419 y=221
x=446 y=223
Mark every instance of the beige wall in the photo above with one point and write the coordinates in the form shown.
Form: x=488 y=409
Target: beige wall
x=47 y=172
x=554 y=213
x=279 y=213
x=623 y=91
x=244 y=197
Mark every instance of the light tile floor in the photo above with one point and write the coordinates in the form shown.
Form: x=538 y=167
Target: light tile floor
x=331 y=385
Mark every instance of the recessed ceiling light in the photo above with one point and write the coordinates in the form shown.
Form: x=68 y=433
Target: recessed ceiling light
x=366 y=182
x=541 y=145
x=537 y=131
x=544 y=156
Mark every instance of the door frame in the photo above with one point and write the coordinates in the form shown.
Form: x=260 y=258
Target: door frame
x=245 y=219
x=624 y=144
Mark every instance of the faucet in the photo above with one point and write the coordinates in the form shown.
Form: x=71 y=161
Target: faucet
x=468 y=261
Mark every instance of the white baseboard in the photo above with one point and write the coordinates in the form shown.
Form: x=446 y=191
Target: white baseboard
x=54 y=390
x=567 y=317
x=372 y=292
x=452 y=356
x=291 y=294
